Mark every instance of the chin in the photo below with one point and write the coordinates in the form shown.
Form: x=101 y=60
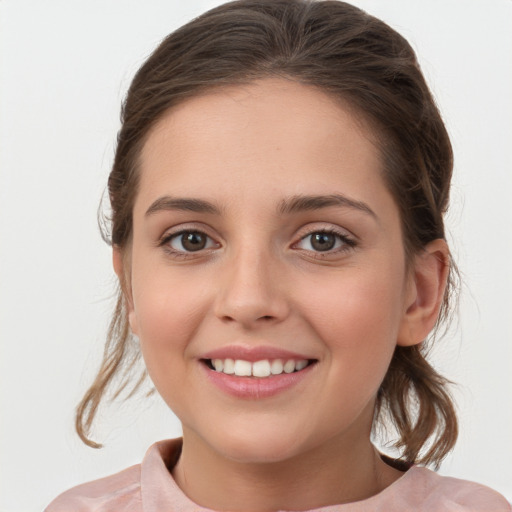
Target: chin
x=258 y=445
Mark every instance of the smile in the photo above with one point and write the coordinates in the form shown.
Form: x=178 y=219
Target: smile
x=260 y=369
x=257 y=379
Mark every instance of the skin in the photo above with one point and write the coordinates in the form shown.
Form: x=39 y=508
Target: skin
x=245 y=150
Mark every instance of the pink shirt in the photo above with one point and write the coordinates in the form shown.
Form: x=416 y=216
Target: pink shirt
x=150 y=487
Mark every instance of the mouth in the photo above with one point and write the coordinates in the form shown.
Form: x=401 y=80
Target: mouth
x=262 y=369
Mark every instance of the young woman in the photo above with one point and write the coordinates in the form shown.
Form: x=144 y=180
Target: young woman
x=277 y=199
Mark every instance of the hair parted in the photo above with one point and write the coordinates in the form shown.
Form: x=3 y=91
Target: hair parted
x=343 y=51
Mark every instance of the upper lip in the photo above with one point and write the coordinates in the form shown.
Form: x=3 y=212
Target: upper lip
x=253 y=353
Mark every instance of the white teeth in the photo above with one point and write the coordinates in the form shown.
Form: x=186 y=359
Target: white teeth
x=276 y=367
x=229 y=366
x=261 y=369
x=243 y=368
x=289 y=366
x=300 y=365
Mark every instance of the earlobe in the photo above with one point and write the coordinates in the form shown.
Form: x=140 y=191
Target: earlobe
x=119 y=264
x=425 y=297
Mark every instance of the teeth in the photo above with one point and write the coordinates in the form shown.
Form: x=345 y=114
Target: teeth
x=276 y=367
x=261 y=369
x=229 y=366
x=300 y=365
x=243 y=368
x=289 y=366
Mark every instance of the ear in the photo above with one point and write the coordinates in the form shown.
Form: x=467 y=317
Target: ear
x=120 y=268
x=425 y=294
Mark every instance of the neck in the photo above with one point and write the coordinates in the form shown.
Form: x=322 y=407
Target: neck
x=339 y=471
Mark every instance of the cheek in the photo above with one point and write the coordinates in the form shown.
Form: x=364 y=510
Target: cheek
x=166 y=311
x=357 y=314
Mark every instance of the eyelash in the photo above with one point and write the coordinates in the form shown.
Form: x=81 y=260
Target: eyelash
x=166 y=239
x=347 y=243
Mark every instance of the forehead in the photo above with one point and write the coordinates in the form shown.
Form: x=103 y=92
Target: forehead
x=260 y=137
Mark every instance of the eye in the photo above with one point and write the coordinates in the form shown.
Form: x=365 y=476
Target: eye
x=323 y=241
x=189 y=241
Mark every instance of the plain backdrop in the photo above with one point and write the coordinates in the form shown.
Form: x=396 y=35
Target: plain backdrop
x=65 y=66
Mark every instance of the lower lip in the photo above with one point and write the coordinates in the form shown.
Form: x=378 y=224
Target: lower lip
x=255 y=388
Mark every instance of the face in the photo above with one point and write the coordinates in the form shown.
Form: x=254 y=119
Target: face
x=265 y=243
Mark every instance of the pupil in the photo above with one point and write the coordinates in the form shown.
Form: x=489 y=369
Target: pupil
x=323 y=241
x=193 y=241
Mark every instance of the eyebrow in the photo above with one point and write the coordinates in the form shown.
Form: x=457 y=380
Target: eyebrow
x=184 y=204
x=293 y=204
x=303 y=203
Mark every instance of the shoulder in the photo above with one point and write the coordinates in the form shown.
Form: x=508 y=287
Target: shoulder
x=452 y=494
x=120 y=492
x=124 y=491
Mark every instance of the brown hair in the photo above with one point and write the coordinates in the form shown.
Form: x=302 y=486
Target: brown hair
x=351 y=55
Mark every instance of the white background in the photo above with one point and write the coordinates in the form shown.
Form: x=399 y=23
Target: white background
x=65 y=66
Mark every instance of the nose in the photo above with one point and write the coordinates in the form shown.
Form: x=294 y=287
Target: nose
x=251 y=292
